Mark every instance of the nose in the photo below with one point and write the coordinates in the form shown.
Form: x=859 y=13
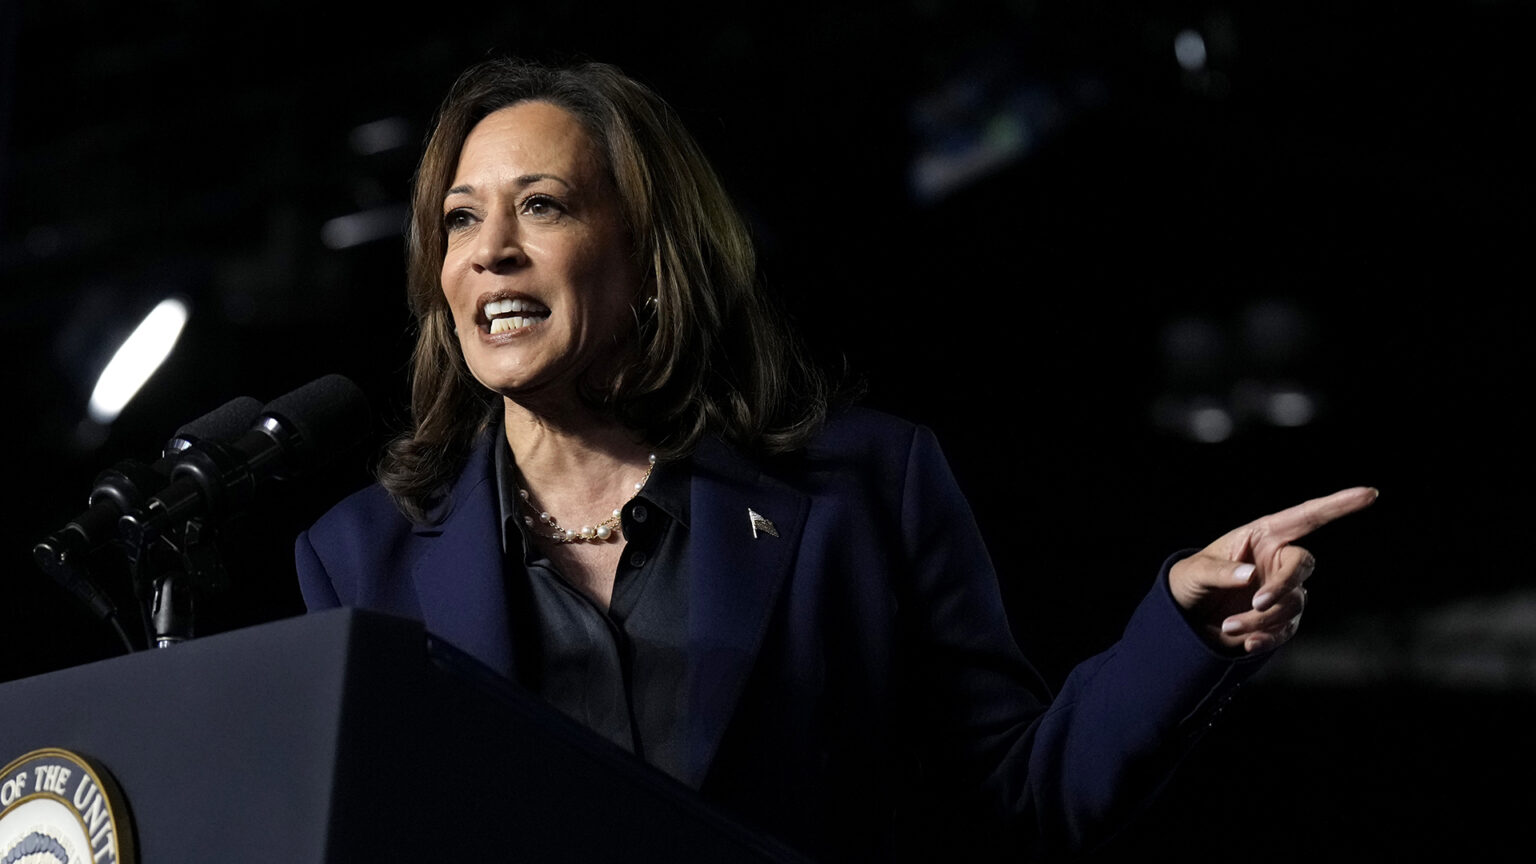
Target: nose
x=498 y=248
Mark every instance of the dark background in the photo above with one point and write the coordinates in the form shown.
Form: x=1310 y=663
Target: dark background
x=1336 y=204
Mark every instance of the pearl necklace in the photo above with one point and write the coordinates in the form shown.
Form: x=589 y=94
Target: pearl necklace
x=602 y=531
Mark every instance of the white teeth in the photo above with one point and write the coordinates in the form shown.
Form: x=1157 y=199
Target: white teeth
x=514 y=313
x=512 y=304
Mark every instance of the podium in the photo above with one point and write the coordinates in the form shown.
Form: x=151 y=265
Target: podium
x=351 y=736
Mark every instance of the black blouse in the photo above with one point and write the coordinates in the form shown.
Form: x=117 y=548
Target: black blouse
x=620 y=672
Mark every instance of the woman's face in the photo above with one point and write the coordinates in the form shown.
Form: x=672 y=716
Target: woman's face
x=538 y=271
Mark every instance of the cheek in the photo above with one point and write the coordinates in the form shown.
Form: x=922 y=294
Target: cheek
x=613 y=280
x=456 y=335
x=448 y=282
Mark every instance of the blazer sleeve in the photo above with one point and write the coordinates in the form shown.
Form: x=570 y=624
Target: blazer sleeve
x=1067 y=771
x=354 y=554
x=314 y=583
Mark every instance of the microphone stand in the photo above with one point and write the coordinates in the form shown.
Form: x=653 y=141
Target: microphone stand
x=171 y=571
x=66 y=555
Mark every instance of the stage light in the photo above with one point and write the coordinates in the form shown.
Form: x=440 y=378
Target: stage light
x=355 y=229
x=1290 y=408
x=1189 y=50
x=380 y=136
x=138 y=358
x=1210 y=425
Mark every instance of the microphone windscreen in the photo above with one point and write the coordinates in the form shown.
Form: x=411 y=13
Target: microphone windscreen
x=221 y=424
x=330 y=416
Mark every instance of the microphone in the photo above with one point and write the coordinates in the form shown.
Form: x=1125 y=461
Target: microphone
x=225 y=421
x=290 y=436
x=122 y=488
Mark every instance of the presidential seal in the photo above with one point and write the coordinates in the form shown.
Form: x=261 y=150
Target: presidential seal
x=60 y=808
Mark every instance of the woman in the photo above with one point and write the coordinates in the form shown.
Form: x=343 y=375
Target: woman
x=625 y=489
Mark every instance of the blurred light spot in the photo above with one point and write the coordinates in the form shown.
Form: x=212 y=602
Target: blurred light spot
x=1210 y=424
x=1290 y=408
x=388 y=134
x=138 y=358
x=1189 y=49
x=982 y=119
x=355 y=229
x=1001 y=140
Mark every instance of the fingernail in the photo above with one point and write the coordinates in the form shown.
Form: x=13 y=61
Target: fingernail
x=1231 y=625
x=1262 y=600
x=1242 y=573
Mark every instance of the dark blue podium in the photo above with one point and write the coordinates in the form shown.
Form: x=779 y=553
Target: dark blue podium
x=349 y=736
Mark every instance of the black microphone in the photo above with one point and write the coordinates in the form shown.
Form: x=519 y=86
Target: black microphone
x=290 y=436
x=224 y=422
x=120 y=489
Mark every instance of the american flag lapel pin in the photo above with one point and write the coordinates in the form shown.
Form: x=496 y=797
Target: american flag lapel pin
x=760 y=524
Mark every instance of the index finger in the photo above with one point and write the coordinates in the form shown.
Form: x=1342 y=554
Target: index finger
x=1296 y=522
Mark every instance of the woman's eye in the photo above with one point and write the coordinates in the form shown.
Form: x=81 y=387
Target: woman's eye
x=455 y=220
x=542 y=206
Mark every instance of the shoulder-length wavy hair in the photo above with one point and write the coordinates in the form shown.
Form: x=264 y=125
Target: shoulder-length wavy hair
x=710 y=354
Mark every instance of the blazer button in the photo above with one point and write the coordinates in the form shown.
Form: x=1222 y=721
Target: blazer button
x=637 y=559
x=639 y=513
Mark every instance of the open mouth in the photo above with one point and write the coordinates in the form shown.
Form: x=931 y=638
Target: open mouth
x=512 y=313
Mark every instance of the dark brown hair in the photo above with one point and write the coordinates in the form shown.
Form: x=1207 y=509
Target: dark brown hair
x=711 y=354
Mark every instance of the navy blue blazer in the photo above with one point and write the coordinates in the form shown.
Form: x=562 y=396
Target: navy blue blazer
x=853 y=682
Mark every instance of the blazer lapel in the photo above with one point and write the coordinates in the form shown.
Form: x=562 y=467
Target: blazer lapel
x=459 y=577
x=737 y=567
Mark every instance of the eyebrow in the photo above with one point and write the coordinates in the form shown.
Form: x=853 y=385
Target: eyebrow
x=522 y=182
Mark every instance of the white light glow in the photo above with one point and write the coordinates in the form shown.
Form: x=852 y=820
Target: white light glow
x=1189 y=50
x=1290 y=408
x=380 y=135
x=137 y=359
x=355 y=229
x=1210 y=425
